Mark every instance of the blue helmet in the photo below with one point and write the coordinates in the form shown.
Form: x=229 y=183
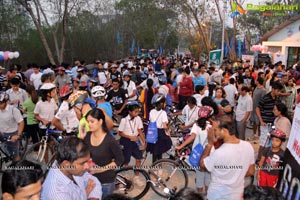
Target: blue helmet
x=158 y=98
x=162 y=79
x=132 y=105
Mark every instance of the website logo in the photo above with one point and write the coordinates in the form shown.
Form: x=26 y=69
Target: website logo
x=236 y=10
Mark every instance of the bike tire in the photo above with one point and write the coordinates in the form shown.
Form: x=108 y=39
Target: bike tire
x=23 y=144
x=163 y=170
x=39 y=154
x=125 y=182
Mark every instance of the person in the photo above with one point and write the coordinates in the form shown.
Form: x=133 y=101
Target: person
x=198 y=79
x=243 y=111
x=68 y=177
x=158 y=114
x=11 y=125
x=290 y=100
x=270 y=163
x=199 y=134
x=199 y=93
x=186 y=88
x=258 y=93
x=224 y=106
x=22 y=184
x=190 y=111
x=17 y=95
x=256 y=192
x=98 y=93
x=118 y=98
x=62 y=79
x=231 y=92
x=46 y=108
x=248 y=79
x=83 y=78
x=132 y=136
x=187 y=194
x=32 y=127
x=145 y=98
x=66 y=119
x=265 y=114
x=129 y=85
x=229 y=164
x=105 y=151
x=35 y=77
x=282 y=121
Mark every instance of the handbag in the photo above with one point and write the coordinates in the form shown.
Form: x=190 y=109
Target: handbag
x=152 y=132
x=196 y=153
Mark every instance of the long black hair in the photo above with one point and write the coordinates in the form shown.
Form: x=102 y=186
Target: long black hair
x=98 y=114
x=150 y=93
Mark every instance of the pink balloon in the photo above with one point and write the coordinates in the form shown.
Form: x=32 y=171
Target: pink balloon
x=5 y=55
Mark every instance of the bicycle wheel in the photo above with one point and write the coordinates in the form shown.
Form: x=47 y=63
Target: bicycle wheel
x=41 y=153
x=167 y=174
x=132 y=182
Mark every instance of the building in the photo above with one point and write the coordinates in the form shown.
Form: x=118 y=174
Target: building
x=283 y=41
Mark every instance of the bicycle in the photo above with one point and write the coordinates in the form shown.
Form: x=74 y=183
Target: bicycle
x=5 y=157
x=44 y=151
x=165 y=176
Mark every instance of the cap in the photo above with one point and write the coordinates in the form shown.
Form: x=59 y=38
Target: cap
x=80 y=69
x=47 y=86
x=2 y=67
x=61 y=68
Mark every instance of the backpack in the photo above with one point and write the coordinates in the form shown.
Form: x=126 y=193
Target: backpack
x=195 y=156
x=152 y=132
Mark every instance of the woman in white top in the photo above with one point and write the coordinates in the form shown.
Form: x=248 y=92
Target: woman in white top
x=46 y=107
x=159 y=116
x=199 y=135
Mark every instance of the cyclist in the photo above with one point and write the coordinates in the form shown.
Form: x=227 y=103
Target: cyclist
x=190 y=111
x=132 y=137
x=11 y=125
x=65 y=119
x=199 y=134
x=98 y=93
x=46 y=107
x=129 y=85
x=158 y=114
x=118 y=98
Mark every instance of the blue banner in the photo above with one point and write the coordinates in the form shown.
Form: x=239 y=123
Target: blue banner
x=132 y=46
x=239 y=48
x=118 y=38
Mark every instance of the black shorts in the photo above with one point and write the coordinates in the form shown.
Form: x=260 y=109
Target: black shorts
x=130 y=149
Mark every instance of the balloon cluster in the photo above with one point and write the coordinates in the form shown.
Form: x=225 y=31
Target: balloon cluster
x=5 y=55
x=259 y=48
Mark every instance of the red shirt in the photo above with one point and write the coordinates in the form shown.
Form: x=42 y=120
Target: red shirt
x=186 y=86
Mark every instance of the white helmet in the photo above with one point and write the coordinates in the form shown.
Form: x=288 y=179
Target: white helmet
x=98 y=91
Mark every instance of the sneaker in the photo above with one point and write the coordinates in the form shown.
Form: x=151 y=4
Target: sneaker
x=139 y=181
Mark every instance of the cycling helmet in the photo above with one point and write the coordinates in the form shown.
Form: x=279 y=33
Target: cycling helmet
x=98 y=91
x=162 y=79
x=77 y=98
x=205 y=112
x=93 y=81
x=3 y=97
x=132 y=105
x=90 y=101
x=158 y=98
x=158 y=73
x=47 y=86
x=65 y=91
x=279 y=134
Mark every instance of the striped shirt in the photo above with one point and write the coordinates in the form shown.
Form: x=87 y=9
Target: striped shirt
x=266 y=105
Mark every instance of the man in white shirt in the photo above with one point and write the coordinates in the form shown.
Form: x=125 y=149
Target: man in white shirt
x=190 y=112
x=243 y=111
x=231 y=92
x=35 y=78
x=228 y=165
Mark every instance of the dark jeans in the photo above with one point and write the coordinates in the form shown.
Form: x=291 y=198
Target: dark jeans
x=32 y=131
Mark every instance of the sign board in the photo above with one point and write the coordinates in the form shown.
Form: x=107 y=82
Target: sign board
x=288 y=182
x=248 y=57
x=215 y=56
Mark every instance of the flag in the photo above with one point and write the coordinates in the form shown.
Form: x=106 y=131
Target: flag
x=132 y=46
x=160 y=50
x=118 y=38
x=138 y=49
x=239 y=48
x=225 y=50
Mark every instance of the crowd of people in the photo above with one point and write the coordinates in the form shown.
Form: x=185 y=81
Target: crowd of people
x=218 y=103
